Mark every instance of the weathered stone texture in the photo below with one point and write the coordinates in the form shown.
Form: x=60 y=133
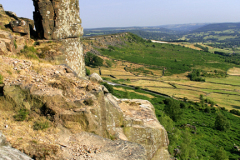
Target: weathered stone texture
x=104 y=149
x=59 y=20
x=107 y=116
x=20 y=26
x=83 y=105
x=96 y=78
x=141 y=126
x=74 y=58
x=8 y=42
x=5 y=19
x=56 y=19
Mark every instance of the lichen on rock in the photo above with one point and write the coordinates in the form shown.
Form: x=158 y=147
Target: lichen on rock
x=59 y=20
x=56 y=19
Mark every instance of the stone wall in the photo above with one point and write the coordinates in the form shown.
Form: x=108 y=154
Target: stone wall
x=59 y=20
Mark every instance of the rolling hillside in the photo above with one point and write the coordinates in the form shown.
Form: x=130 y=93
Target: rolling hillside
x=185 y=27
x=221 y=35
x=139 y=64
x=218 y=27
x=157 y=33
x=164 y=68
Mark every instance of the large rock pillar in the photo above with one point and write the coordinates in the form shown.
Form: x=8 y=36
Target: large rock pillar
x=59 y=20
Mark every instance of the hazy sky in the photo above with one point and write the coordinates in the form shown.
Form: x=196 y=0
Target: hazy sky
x=125 y=13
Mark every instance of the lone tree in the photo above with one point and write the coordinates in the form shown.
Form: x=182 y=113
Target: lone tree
x=93 y=60
x=172 y=109
x=221 y=123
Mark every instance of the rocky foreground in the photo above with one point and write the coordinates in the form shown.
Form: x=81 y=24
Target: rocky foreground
x=7 y=152
x=48 y=112
x=86 y=121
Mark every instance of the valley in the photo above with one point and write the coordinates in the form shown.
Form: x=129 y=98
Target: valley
x=223 y=37
x=159 y=73
x=141 y=65
x=224 y=91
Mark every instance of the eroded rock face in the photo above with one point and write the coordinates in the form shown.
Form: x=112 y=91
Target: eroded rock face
x=141 y=126
x=11 y=44
x=20 y=26
x=84 y=106
x=5 y=19
x=57 y=19
x=73 y=52
x=85 y=145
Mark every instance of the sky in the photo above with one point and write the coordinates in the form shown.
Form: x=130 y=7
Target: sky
x=127 y=13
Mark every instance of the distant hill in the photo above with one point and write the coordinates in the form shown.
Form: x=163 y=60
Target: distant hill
x=219 y=35
x=225 y=34
x=156 y=33
x=184 y=27
x=218 y=27
x=163 y=33
x=158 y=29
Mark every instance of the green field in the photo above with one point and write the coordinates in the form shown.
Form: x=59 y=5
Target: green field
x=176 y=59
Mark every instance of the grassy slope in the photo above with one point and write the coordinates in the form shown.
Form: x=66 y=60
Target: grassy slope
x=176 y=59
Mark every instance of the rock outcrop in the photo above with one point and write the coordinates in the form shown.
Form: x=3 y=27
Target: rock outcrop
x=7 y=152
x=59 y=20
x=14 y=33
x=5 y=19
x=85 y=120
x=86 y=145
x=54 y=20
x=95 y=77
x=20 y=26
x=141 y=126
x=90 y=43
x=9 y=19
x=11 y=44
x=84 y=106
